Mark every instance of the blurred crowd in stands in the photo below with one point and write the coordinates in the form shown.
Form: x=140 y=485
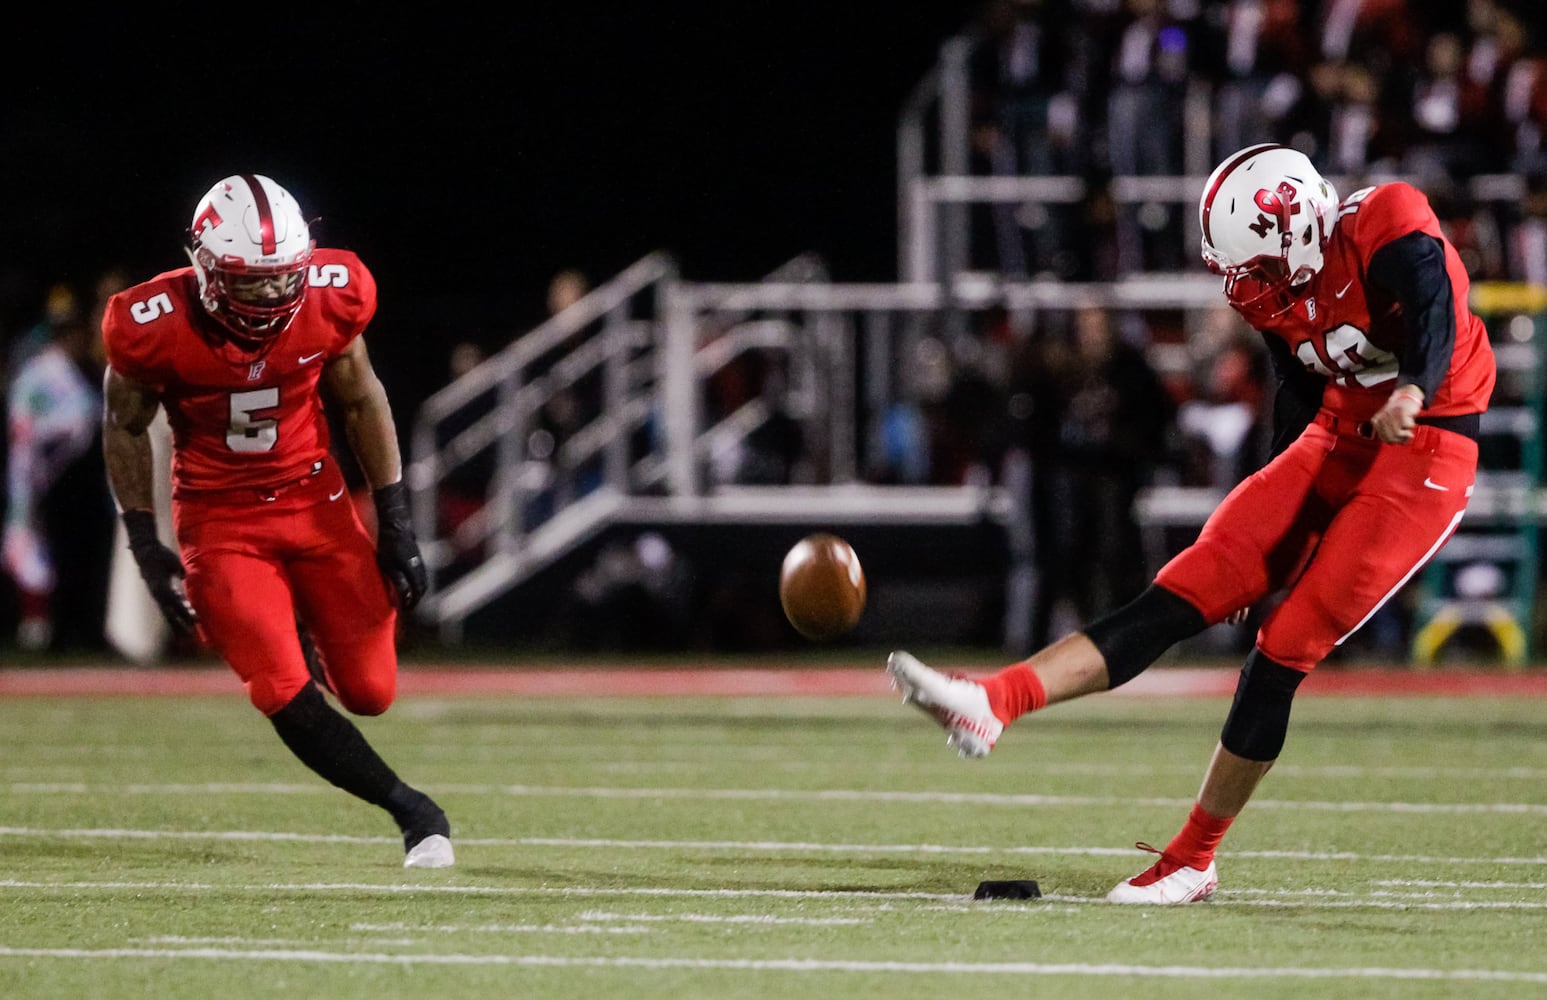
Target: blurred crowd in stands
x=1439 y=93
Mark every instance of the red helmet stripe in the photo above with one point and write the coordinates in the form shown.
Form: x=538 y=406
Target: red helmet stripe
x=265 y=214
x=1230 y=168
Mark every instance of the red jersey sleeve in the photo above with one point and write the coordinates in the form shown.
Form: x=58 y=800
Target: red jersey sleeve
x=346 y=291
x=1387 y=212
x=131 y=337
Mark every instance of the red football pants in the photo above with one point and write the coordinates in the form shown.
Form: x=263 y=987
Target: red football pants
x=1340 y=520
x=254 y=565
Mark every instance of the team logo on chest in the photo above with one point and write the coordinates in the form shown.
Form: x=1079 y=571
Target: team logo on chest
x=255 y=370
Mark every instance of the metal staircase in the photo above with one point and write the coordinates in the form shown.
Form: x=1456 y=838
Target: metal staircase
x=653 y=453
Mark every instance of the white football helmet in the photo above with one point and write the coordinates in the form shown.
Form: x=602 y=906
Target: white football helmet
x=250 y=247
x=1266 y=214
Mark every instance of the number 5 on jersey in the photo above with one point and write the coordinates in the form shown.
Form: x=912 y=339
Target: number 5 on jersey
x=247 y=432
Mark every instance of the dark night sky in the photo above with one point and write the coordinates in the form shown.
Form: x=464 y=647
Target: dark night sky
x=466 y=158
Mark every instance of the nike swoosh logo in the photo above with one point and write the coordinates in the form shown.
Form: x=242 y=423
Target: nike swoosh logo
x=311 y=357
x=1345 y=288
x=1435 y=486
x=335 y=496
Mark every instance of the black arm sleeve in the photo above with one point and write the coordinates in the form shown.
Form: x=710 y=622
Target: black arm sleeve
x=1297 y=396
x=1412 y=270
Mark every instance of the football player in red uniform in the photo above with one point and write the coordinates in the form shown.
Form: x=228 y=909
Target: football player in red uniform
x=1383 y=373
x=234 y=347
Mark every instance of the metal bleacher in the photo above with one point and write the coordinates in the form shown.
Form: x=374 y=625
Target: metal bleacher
x=654 y=341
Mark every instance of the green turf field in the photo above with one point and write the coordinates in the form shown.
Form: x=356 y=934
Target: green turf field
x=766 y=848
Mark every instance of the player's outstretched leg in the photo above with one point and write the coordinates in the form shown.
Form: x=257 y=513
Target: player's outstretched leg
x=328 y=743
x=958 y=704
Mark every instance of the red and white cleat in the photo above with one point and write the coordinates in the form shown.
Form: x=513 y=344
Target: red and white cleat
x=958 y=704
x=1166 y=881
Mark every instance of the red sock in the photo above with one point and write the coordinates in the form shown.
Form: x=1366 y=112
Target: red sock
x=1194 y=846
x=1014 y=691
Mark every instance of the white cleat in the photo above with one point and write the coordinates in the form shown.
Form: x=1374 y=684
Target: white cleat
x=1166 y=882
x=433 y=851
x=958 y=704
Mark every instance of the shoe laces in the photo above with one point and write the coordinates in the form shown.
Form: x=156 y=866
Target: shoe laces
x=1166 y=865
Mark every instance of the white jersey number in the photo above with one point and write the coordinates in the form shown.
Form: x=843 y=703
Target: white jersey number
x=328 y=276
x=156 y=306
x=1350 y=358
x=247 y=434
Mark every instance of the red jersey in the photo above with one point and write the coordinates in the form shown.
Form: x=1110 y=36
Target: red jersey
x=239 y=419
x=1350 y=332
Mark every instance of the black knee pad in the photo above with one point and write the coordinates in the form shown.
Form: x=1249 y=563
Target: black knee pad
x=1134 y=636
x=1259 y=717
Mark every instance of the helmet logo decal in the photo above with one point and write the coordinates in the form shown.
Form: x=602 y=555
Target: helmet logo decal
x=1277 y=206
x=208 y=218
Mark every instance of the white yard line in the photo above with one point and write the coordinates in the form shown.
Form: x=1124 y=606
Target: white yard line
x=811 y=795
x=584 y=892
x=13 y=777
x=1273 y=898
x=743 y=846
x=1432 y=884
x=793 y=965
x=609 y=920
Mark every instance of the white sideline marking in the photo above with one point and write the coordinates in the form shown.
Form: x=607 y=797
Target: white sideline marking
x=500 y=929
x=711 y=918
x=1429 y=883
x=773 y=755
x=610 y=919
x=489 y=890
x=832 y=795
x=792 y=965
x=1287 y=898
x=742 y=845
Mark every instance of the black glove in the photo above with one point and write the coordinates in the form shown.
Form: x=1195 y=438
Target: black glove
x=397 y=551
x=161 y=568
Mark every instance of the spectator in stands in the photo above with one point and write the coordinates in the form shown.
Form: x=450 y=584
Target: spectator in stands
x=1472 y=228
x=59 y=520
x=1150 y=67
x=1113 y=420
x=61 y=307
x=465 y=489
x=1528 y=242
x=1380 y=34
x=1445 y=110
x=565 y=289
x=1262 y=54
x=569 y=408
x=1504 y=64
x=1223 y=420
x=1023 y=122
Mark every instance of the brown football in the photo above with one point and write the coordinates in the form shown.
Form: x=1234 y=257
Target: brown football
x=822 y=586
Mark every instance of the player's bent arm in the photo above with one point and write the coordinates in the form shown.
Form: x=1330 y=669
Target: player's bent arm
x=129 y=407
x=1412 y=270
x=367 y=415
x=372 y=435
